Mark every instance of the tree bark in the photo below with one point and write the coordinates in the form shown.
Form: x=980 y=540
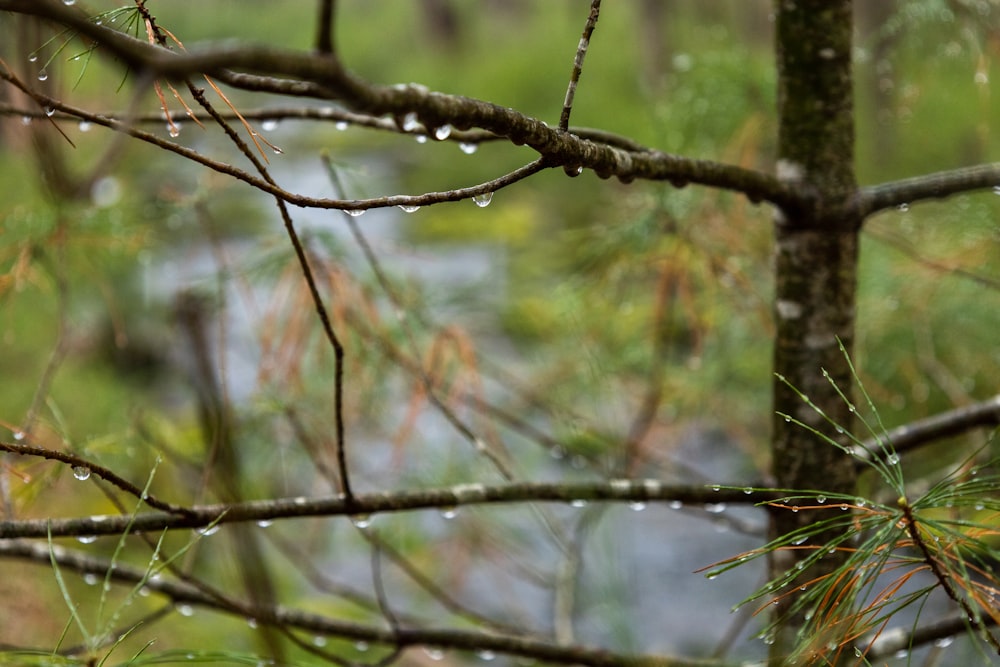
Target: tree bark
x=815 y=270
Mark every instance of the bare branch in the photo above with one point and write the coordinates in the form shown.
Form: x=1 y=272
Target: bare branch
x=875 y=198
x=581 y=52
x=616 y=490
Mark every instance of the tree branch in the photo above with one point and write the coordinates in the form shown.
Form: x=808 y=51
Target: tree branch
x=198 y=516
x=875 y=198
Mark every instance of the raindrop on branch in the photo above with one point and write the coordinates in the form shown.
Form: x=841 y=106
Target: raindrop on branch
x=50 y=111
x=269 y=124
x=408 y=209
x=81 y=472
x=637 y=506
x=18 y=435
x=69 y=3
x=442 y=132
x=84 y=126
x=86 y=539
x=482 y=201
x=185 y=610
x=410 y=122
x=361 y=520
x=421 y=138
x=341 y=125
x=468 y=147
x=449 y=513
x=90 y=579
x=355 y=213
x=264 y=523
x=43 y=75
x=579 y=502
x=174 y=130
x=33 y=58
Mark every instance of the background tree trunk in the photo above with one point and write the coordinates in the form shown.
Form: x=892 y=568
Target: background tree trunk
x=816 y=266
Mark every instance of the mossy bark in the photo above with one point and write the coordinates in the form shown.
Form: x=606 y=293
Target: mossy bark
x=816 y=267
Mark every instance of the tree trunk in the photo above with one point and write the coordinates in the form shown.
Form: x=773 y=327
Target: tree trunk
x=816 y=266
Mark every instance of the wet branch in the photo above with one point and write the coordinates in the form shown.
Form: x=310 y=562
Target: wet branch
x=581 y=52
x=875 y=198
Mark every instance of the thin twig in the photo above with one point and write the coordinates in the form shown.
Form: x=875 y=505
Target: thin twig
x=581 y=52
x=875 y=198
x=325 y=27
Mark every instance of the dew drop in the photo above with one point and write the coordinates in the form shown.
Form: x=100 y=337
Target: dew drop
x=434 y=654
x=483 y=200
x=90 y=579
x=637 y=506
x=903 y=208
x=174 y=130
x=747 y=490
x=185 y=610
x=421 y=138
x=33 y=58
x=675 y=504
x=43 y=75
x=18 y=435
x=84 y=126
x=579 y=502
x=469 y=148
x=341 y=125
x=410 y=122
x=716 y=487
x=252 y=623
x=277 y=150
x=715 y=508
x=486 y=655
x=81 y=472
x=449 y=513
x=821 y=499
x=355 y=213
x=844 y=507
x=795 y=508
x=361 y=646
x=264 y=523
x=892 y=459
x=207 y=530
x=408 y=209
x=944 y=642
x=50 y=111
x=443 y=132
x=69 y=3
x=319 y=640
x=86 y=539
x=269 y=124
x=361 y=520
x=996 y=190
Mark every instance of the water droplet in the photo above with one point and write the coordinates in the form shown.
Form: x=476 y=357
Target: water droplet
x=421 y=138
x=979 y=506
x=50 y=111
x=482 y=201
x=715 y=508
x=573 y=171
x=486 y=655
x=185 y=610
x=69 y=3
x=90 y=579
x=944 y=642
x=675 y=504
x=637 y=506
x=319 y=640
x=839 y=429
x=788 y=419
x=409 y=209
x=355 y=213
x=449 y=513
x=857 y=652
x=86 y=539
x=33 y=58
x=716 y=487
x=410 y=122
x=361 y=520
x=264 y=523
x=579 y=502
x=844 y=507
x=207 y=530
x=800 y=540
x=81 y=472
x=361 y=646
x=269 y=124
x=901 y=653
x=892 y=459
x=821 y=499
x=252 y=623
x=277 y=150
x=341 y=125
x=747 y=490
x=469 y=148
x=443 y=132
x=174 y=130
x=903 y=208
x=981 y=78
x=43 y=75
x=996 y=190
x=713 y=575
x=795 y=508
x=18 y=435
x=860 y=502
x=434 y=654
x=84 y=126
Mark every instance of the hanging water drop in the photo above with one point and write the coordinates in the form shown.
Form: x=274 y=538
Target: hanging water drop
x=205 y=531
x=821 y=499
x=43 y=75
x=361 y=520
x=69 y=3
x=892 y=459
x=319 y=640
x=50 y=111
x=341 y=125
x=174 y=130
x=716 y=487
x=355 y=213
x=277 y=150
x=483 y=200
x=408 y=209
x=449 y=513
x=84 y=126
x=86 y=539
x=486 y=655
x=90 y=579
x=81 y=472
x=715 y=508
x=579 y=502
x=361 y=646
x=185 y=610
x=443 y=132
x=18 y=435
x=410 y=122
x=264 y=523
x=269 y=124
x=33 y=58
x=434 y=654
x=637 y=506
x=469 y=148
x=675 y=504
x=421 y=138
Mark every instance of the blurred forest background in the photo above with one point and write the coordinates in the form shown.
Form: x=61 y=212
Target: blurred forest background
x=593 y=328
